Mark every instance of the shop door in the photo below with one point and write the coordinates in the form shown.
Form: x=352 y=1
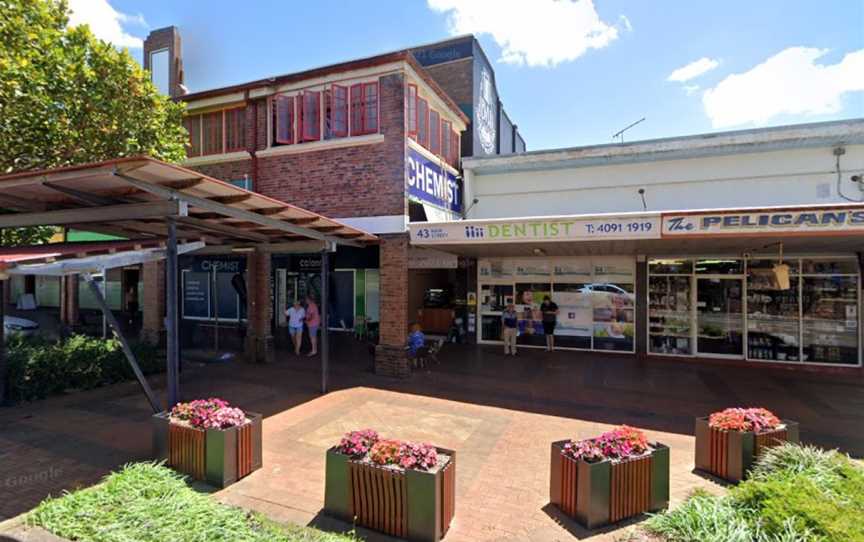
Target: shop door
x=720 y=316
x=341 y=302
x=286 y=294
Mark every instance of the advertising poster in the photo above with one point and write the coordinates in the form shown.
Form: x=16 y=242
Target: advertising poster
x=575 y=313
x=536 y=269
x=575 y=270
x=529 y=297
x=495 y=269
x=196 y=294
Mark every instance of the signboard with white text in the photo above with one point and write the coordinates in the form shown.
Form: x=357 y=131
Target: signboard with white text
x=801 y=221
x=551 y=229
x=429 y=181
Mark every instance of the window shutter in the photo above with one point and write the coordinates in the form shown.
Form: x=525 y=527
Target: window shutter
x=357 y=109
x=309 y=105
x=370 y=108
x=283 y=114
x=235 y=129
x=454 y=149
x=193 y=126
x=434 y=132
x=445 y=140
x=339 y=110
x=422 y=122
x=213 y=143
x=411 y=110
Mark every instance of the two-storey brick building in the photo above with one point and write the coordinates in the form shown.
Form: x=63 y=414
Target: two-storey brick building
x=368 y=142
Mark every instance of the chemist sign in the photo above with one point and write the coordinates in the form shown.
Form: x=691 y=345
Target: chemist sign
x=429 y=181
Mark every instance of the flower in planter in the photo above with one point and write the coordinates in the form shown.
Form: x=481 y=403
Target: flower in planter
x=210 y=413
x=357 y=443
x=758 y=420
x=417 y=455
x=621 y=443
x=385 y=452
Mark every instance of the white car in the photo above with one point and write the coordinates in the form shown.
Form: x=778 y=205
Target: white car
x=19 y=326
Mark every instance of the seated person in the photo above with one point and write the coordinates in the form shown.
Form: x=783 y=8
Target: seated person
x=416 y=340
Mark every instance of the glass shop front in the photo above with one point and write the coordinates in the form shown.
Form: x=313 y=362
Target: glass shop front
x=798 y=310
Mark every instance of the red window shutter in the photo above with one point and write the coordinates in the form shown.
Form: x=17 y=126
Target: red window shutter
x=422 y=122
x=193 y=127
x=445 y=140
x=310 y=115
x=357 y=114
x=283 y=117
x=339 y=110
x=454 y=149
x=411 y=110
x=213 y=143
x=434 y=132
x=235 y=129
x=370 y=108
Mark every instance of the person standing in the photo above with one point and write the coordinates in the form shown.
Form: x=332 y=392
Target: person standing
x=313 y=321
x=550 y=317
x=510 y=322
x=296 y=314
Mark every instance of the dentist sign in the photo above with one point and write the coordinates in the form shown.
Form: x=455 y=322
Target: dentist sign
x=431 y=182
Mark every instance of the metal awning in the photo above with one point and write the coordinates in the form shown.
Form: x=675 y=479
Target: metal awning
x=130 y=197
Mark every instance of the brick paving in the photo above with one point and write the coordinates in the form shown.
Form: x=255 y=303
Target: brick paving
x=500 y=414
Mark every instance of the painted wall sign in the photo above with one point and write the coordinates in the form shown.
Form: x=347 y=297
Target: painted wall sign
x=588 y=229
x=431 y=182
x=806 y=221
x=486 y=112
x=224 y=264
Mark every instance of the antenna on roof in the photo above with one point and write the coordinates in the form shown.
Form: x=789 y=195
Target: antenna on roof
x=620 y=133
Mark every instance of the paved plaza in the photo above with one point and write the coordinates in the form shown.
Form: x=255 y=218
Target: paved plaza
x=499 y=413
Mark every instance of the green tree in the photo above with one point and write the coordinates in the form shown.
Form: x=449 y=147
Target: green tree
x=68 y=98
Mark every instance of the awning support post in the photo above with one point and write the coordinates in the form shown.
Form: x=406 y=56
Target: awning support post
x=171 y=324
x=325 y=342
x=127 y=350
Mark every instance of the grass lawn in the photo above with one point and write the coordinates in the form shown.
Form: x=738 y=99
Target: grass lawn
x=151 y=503
x=794 y=494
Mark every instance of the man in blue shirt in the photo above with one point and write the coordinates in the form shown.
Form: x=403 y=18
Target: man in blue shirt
x=510 y=324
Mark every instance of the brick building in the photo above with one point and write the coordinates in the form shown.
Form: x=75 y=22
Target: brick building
x=368 y=142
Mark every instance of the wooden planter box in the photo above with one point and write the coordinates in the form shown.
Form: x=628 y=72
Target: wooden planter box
x=595 y=494
x=410 y=504
x=219 y=457
x=730 y=454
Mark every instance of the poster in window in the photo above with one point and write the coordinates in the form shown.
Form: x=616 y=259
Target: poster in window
x=575 y=311
x=196 y=295
x=496 y=269
x=534 y=269
x=573 y=270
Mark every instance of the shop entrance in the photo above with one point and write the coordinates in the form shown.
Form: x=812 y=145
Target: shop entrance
x=720 y=316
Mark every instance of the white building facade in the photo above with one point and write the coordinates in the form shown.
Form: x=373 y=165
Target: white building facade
x=739 y=247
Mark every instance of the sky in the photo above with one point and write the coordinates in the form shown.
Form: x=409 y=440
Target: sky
x=569 y=72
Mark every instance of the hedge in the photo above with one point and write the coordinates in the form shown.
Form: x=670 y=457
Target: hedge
x=39 y=368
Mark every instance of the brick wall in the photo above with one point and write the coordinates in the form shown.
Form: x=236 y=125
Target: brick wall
x=362 y=180
x=456 y=78
x=153 y=317
x=167 y=38
x=390 y=359
x=259 y=336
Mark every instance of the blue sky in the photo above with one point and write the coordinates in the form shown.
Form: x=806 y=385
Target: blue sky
x=569 y=73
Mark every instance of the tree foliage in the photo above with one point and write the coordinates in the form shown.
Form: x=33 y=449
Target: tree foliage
x=69 y=98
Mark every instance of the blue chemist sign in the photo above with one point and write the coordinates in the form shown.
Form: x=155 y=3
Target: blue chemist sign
x=430 y=182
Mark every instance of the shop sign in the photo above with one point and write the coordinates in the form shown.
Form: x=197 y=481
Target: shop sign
x=425 y=258
x=588 y=229
x=306 y=263
x=486 y=114
x=796 y=222
x=219 y=264
x=196 y=294
x=431 y=182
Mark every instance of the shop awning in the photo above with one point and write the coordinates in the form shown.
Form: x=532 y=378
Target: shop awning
x=131 y=197
x=809 y=228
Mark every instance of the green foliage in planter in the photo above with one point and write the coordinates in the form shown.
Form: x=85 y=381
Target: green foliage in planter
x=798 y=493
x=147 y=502
x=39 y=368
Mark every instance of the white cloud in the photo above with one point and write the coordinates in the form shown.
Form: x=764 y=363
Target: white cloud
x=788 y=83
x=537 y=33
x=693 y=70
x=105 y=22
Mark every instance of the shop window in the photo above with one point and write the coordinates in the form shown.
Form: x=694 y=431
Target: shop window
x=445 y=141
x=309 y=115
x=336 y=121
x=670 y=267
x=434 y=132
x=213 y=132
x=830 y=314
x=575 y=317
x=235 y=129
x=773 y=323
x=193 y=127
x=669 y=305
x=720 y=266
x=364 y=108
x=423 y=122
x=283 y=120
x=411 y=110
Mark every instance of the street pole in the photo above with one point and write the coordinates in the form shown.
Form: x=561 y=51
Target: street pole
x=325 y=343
x=171 y=324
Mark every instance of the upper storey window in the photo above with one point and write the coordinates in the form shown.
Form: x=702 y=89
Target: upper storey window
x=216 y=132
